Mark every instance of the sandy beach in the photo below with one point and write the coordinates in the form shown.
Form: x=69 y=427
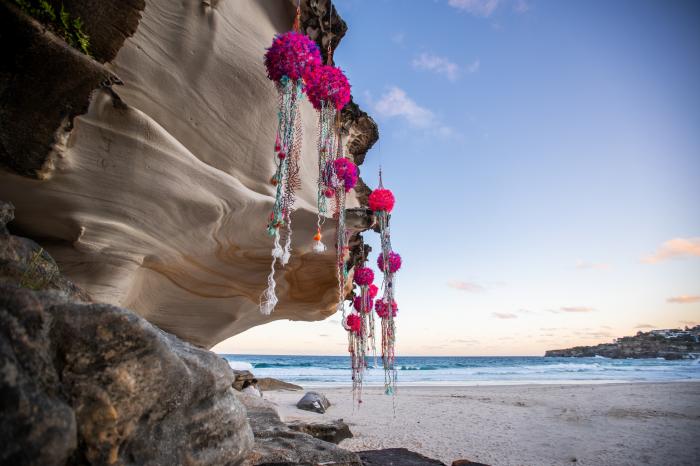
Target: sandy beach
x=605 y=424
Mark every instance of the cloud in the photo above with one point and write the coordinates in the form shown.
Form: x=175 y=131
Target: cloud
x=398 y=38
x=504 y=315
x=521 y=6
x=465 y=342
x=475 y=7
x=395 y=103
x=436 y=64
x=324 y=335
x=675 y=248
x=576 y=309
x=465 y=286
x=474 y=66
x=583 y=265
x=683 y=299
x=689 y=323
x=645 y=326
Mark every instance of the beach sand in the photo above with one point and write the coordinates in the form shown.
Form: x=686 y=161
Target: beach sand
x=602 y=424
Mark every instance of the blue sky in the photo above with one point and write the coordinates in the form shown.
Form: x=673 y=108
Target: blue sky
x=545 y=156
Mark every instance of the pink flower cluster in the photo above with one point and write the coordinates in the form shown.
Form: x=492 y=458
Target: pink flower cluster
x=383 y=309
x=293 y=55
x=353 y=323
x=381 y=200
x=327 y=84
x=394 y=262
x=357 y=303
x=346 y=171
x=373 y=290
x=363 y=276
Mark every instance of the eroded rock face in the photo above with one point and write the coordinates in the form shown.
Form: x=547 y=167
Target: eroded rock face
x=86 y=383
x=156 y=198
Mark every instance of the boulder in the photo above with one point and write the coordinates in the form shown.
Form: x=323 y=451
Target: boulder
x=86 y=383
x=277 y=444
x=314 y=401
x=334 y=431
x=268 y=383
x=396 y=457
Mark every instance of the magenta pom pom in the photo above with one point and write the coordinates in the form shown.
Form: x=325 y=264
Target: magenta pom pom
x=394 y=262
x=357 y=304
x=327 y=84
x=346 y=171
x=364 y=276
x=353 y=323
x=383 y=310
x=373 y=290
x=293 y=55
x=381 y=200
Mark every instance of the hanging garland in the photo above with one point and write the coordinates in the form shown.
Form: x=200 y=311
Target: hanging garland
x=381 y=201
x=360 y=326
x=328 y=91
x=291 y=57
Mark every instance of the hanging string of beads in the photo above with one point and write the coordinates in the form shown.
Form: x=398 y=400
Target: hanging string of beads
x=291 y=57
x=329 y=91
x=361 y=339
x=381 y=201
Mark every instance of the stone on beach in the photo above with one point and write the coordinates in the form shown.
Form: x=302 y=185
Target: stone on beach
x=314 y=401
x=396 y=457
x=333 y=431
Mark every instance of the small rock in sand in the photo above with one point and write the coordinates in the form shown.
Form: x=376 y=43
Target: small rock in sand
x=334 y=431
x=314 y=401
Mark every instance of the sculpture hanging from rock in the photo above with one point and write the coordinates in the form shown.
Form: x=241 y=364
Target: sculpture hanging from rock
x=290 y=59
x=381 y=201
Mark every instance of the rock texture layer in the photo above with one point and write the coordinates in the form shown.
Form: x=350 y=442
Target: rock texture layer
x=86 y=383
x=156 y=198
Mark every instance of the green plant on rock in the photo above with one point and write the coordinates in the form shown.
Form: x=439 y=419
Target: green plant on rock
x=70 y=29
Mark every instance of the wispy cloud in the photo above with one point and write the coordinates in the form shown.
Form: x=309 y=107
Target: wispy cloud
x=689 y=323
x=483 y=8
x=442 y=65
x=504 y=315
x=465 y=286
x=521 y=6
x=465 y=342
x=576 y=309
x=395 y=103
x=572 y=309
x=583 y=265
x=398 y=38
x=675 y=248
x=683 y=299
x=474 y=66
x=645 y=326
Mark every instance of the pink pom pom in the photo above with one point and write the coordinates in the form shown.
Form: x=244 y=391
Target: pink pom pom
x=373 y=290
x=357 y=304
x=293 y=55
x=394 y=262
x=346 y=171
x=327 y=84
x=353 y=323
x=381 y=200
x=383 y=310
x=364 y=276
x=329 y=193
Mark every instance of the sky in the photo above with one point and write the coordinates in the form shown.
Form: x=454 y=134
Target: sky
x=545 y=157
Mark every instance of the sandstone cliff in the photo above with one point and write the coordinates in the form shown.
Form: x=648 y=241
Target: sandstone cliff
x=145 y=171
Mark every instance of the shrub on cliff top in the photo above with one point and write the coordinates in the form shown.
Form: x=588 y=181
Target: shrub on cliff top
x=70 y=29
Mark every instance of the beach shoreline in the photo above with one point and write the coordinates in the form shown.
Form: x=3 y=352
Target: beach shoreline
x=608 y=423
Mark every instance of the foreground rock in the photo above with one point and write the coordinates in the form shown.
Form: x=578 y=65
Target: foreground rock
x=315 y=402
x=277 y=444
x=85 y=383
x=396 y=457
x=333 y=431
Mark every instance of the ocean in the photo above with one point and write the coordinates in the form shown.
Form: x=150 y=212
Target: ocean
x=438 y=370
